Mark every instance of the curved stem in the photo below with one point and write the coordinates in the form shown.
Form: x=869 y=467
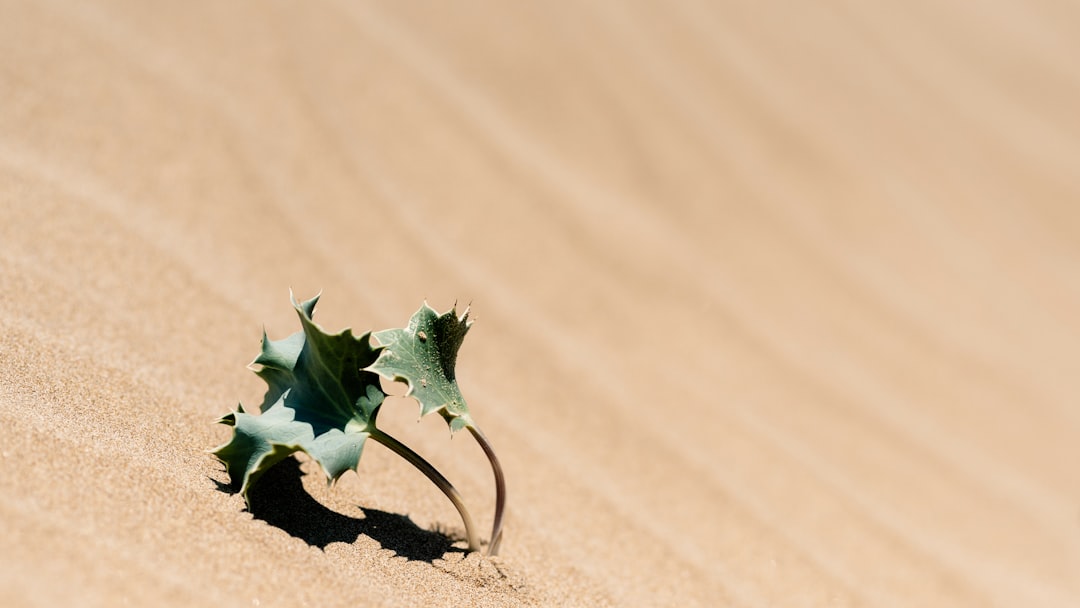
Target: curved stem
x=500 y=490
x=436 y=477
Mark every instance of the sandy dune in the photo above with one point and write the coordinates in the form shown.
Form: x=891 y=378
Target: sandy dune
x=777 y=306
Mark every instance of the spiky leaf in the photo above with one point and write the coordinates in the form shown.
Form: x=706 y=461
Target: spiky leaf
x=423 y=355
x=319 y=401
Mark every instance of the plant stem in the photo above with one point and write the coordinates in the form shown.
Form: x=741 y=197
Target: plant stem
x=500 y=490
x=436 y=477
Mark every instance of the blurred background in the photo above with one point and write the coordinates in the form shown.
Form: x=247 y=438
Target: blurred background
x=777 y=302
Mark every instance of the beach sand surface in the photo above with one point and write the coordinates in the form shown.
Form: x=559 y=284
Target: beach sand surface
x=776 y=303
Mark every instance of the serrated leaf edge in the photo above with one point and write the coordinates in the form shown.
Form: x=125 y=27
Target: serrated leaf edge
x=456 y=422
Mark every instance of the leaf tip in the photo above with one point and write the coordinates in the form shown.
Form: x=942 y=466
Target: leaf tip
x=307 y=307
x=458 y=422
x=230 y=418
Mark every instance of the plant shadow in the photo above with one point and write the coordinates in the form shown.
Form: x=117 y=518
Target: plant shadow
x=280 y=500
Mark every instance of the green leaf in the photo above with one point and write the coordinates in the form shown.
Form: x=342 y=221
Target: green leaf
x=276 y=363
x=423 y=355
x=319 y=400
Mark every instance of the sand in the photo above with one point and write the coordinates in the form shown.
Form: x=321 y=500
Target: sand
x=776 y=303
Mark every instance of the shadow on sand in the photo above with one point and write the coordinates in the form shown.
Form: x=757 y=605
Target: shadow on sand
x=280 y=500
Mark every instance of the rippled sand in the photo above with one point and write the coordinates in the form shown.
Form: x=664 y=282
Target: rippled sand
x=777 y=305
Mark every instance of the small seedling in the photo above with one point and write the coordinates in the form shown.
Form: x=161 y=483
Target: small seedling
x=323 y=398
